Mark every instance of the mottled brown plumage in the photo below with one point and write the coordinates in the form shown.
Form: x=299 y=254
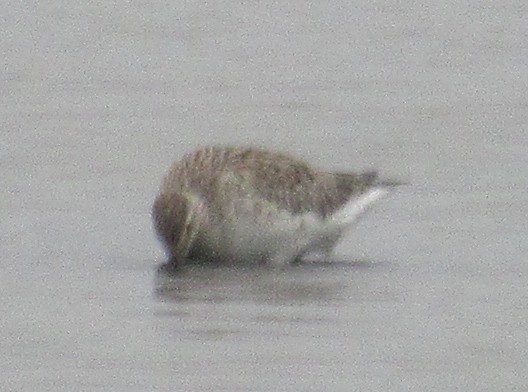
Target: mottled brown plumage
x=233 y=203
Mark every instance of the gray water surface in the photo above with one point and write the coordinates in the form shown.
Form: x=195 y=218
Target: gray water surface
x=428 y=293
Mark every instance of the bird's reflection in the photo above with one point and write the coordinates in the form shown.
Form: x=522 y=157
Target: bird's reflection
x=309 y=282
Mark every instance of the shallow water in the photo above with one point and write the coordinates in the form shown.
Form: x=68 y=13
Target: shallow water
x=427 y=293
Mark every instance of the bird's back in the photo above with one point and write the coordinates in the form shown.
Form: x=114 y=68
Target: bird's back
x=287 y=182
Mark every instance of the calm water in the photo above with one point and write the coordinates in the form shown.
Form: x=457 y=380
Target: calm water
x=428 y=293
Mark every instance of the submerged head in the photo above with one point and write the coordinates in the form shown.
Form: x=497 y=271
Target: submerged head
x=171 y=213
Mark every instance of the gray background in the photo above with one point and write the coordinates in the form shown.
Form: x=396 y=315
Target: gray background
x=428 y=293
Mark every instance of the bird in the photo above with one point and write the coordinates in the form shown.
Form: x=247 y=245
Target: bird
x=240 y=204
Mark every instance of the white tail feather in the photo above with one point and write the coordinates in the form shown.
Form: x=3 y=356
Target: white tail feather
x=355 y=207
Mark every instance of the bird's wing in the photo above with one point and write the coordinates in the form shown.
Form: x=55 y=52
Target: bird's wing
x=281 y=184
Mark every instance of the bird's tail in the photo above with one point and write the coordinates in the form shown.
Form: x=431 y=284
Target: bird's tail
x=363 y=191
x=359 y=182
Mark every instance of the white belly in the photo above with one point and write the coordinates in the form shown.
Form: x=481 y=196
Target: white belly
x=277 y=237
